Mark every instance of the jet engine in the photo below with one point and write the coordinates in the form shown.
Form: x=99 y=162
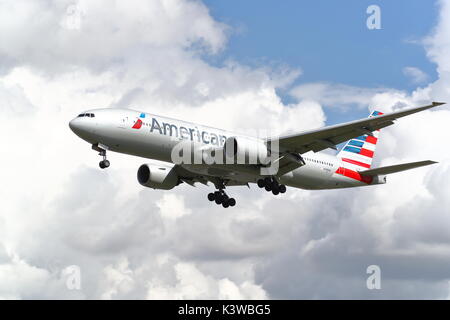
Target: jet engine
x=246 y=150
x=157 y=177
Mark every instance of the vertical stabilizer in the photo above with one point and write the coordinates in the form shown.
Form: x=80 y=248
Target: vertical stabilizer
x=357 y=154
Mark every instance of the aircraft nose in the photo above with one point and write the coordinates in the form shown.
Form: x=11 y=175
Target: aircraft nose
x=74 y=125
x=81 y=126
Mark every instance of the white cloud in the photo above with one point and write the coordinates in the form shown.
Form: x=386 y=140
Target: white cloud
x=99 y=34
x=336 y=95
x=415 y=74
x=119 y=280
x=172 y=206
x=21 y=280
x=191 y=283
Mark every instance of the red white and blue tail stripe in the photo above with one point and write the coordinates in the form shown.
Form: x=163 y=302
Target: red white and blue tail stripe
x=357 y=154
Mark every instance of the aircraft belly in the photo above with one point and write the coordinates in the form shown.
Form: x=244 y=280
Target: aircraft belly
x=138 y=143
x=222 y=171
x=307 y=177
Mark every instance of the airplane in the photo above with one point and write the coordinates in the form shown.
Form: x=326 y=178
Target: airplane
x=296 y=157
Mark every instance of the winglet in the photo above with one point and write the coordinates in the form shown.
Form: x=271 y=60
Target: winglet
x=435 y=104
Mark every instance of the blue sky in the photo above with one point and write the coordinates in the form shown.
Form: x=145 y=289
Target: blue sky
x=329 y=41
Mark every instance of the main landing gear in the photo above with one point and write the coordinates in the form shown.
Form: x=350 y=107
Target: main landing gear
x=220 y=197
x=102 y=152
x=271 y=184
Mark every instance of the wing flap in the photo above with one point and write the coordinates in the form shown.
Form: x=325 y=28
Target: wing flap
x=396 y=168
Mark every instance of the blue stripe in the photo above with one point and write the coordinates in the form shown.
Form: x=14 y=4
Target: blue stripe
x=363 y=138
x=375 y=113
x=356 y=143
x=352 y=149
x=142 y=115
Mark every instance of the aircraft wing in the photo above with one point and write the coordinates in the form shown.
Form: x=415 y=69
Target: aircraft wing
x=329 y=137
x=396 y=168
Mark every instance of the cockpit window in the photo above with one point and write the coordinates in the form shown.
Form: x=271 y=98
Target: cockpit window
x=81 y=115
x=90 y=115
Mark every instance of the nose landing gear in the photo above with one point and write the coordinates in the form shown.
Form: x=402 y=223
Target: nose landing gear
x=102 y=152
x=271 y=184
x=104 y=164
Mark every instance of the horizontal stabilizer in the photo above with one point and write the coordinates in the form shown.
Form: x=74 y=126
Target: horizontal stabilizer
x=396 y=168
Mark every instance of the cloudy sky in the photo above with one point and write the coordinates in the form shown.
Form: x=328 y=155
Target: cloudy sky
x=234 y=65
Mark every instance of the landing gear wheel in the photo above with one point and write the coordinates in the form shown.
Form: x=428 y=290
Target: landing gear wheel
x=261 y=183
x=220 y=197
x=271 y=184
x=103 y=164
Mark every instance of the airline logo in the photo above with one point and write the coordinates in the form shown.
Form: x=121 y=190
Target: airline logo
x=138 y=123
x=358 y=154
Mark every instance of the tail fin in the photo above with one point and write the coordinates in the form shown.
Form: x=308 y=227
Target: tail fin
x=358 y=152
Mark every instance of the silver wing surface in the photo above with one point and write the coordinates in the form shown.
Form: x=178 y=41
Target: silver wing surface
x=329 y=137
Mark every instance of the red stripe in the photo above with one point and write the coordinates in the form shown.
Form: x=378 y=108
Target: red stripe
x=354 y=175
x=138 y=124
x=371 y=139
x=361 y=164
x=365 y=152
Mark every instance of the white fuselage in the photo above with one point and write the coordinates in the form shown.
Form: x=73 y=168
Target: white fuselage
x=154 y=137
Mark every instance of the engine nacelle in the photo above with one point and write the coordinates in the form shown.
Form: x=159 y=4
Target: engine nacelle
x=157 y=177
x=247 y=150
